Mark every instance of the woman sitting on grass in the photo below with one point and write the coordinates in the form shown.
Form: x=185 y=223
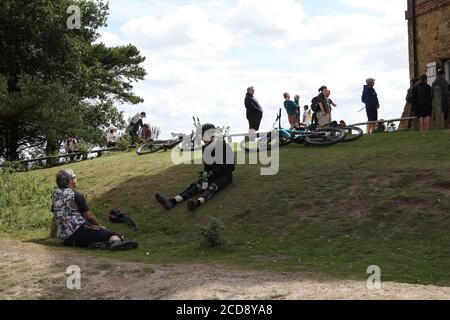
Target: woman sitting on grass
x=75 y=223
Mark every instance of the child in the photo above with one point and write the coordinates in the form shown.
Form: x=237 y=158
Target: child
x=306 y=115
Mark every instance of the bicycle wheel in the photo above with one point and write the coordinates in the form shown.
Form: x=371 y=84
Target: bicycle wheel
x=353 y=133
x=151 y=147
x=325 y=136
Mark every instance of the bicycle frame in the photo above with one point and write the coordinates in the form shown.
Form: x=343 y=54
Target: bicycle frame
x=292 y=134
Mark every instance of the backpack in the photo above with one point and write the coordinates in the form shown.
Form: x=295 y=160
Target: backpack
x=315 y=106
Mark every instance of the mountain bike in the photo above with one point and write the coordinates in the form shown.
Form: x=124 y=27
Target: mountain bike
x=353 y=133
x=311 y=135
x=185 y=142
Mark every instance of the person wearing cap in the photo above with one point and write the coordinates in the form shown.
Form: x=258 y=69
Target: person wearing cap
x=75 y=224
x=111 y=138
x=370 y=99
x=254 y=112
x=441 y=95
x=136 y=124
x=423 y=103
x=219 y=164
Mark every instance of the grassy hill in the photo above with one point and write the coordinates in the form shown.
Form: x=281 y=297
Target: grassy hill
x=383 y=200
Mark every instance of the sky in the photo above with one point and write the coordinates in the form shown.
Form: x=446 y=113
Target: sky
x=201 y=55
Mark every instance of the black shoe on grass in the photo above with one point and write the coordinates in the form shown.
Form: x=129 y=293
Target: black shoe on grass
x=192 y=205
x=166 y=203
x=101 y=245
x=124 y=246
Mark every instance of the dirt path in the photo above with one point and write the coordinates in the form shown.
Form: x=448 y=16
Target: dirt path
x=31 y=271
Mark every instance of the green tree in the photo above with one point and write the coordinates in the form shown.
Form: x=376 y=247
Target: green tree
x=54 y=79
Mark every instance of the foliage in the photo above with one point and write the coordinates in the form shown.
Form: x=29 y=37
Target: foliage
x=25 y=202
x=212 y=233
x=382 y=200
x=54 y=80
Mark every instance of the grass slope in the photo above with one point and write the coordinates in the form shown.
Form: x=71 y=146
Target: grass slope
x=383 y=200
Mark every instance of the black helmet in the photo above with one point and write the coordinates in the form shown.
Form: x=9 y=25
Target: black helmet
x=143 y=114
x=206 y=127
x=117 y=216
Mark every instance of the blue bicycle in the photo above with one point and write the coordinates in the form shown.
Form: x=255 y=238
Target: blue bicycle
x=309 y=136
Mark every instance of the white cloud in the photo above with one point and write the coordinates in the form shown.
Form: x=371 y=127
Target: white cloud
x=188 y=27
x=110 y=39
x=201 y=57
x=271 y=19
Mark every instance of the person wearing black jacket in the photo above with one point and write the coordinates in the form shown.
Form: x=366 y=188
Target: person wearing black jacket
x=219 y=164
x=422 y=101
x=254 y=111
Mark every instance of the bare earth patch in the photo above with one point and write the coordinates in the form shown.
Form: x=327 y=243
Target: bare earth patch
x=31 y=271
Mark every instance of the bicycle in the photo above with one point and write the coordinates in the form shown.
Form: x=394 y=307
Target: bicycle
x=353 y=133
x=186 y=142
x=311 y=135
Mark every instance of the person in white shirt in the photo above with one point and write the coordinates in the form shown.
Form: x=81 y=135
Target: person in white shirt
x=111 y=138
x=306 y=114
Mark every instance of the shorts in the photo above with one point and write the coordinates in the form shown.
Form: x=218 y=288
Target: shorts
x=424 y=112
x=372 y=113
x=323 y=119
x=87 y=234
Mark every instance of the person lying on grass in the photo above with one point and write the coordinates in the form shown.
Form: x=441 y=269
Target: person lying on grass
x=219 y=164
x=75 y=223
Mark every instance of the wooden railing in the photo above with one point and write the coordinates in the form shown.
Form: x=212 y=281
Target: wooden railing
x=52 y=161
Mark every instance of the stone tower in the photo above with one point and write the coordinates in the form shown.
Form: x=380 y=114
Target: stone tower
x=429 y=39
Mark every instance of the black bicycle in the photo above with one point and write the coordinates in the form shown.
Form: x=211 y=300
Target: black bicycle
x=185 y=142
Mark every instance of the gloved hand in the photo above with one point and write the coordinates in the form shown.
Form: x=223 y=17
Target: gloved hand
x=204 y=175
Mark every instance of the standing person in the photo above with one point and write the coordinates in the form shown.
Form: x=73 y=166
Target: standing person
x=331 y=104
x=111 y=138
x=136 y=124
x=292 y=110
x=440 y=93
x=410 y=110
x=254 y=112
x=306 y=114
x=324 y=115
x=315 y=106
x=370 y=99
x=421 y=98
x=299 y=111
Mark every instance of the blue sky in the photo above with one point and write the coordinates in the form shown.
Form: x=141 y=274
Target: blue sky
x=202 y=55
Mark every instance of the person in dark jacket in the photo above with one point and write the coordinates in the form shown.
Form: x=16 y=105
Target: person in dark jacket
x=219 y=164
x=422 y=101
x=444 y=98
x=254 y=112
x=370 y=99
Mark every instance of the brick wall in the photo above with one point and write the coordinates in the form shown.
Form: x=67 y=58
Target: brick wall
x=427 y=6
x=424 y=7
x=433 y=32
